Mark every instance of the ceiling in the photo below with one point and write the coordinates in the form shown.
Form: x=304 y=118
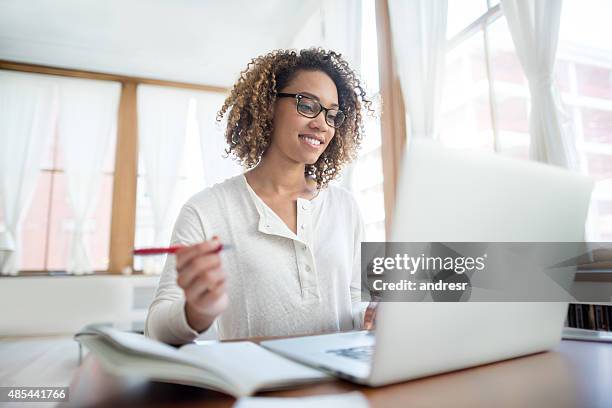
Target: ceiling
x=197 y=41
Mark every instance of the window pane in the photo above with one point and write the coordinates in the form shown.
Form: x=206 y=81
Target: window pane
x=191 y=181
x=597 y=125
x=34 y=227
x=511 y=93
x=584 y=74
x=367 y=186
x=100 y=242
x=563 y=75
x=62 y=225
x=375 y=231
x=586 y=25
x=462 y=13
x=369 y=47
x=53 y=157
x=466 y=114
x=599 y=165
x=594 y=81
x=603 y=210
x=145 y=231
x=49 y=154
x=109 y=160
x=366 y=176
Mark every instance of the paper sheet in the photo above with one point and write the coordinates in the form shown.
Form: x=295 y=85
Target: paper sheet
x=348 y=400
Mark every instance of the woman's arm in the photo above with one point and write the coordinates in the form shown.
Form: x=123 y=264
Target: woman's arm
x=167 y=316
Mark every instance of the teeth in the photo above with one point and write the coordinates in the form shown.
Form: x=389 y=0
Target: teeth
x=311 y=140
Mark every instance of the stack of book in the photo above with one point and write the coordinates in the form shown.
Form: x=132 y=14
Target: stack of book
x=589 y=317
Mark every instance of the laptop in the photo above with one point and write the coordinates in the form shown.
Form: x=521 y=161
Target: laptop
x=447 y=195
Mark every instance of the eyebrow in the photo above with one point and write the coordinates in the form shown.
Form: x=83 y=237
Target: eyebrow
x=333 y=105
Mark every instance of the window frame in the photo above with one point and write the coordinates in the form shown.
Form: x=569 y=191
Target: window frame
x=602 y=262
x=123 y=209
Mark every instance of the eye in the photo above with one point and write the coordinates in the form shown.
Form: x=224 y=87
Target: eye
x=335 y=117
x=306 y=106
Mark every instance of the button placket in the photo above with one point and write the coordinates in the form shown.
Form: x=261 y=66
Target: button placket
x=269 y=225
x=306 y=266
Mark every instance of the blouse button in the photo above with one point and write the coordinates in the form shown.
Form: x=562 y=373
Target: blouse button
x=307 y=268
x=302 y=226
x=304 y=206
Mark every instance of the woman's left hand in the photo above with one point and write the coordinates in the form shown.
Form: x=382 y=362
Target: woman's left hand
x=369 y=319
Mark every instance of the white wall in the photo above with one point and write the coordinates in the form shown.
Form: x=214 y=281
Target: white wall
x=63 y=305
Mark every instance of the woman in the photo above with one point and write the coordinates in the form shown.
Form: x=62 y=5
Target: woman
x=294 y=120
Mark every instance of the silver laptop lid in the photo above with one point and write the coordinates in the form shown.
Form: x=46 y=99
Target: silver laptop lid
x=447 y=195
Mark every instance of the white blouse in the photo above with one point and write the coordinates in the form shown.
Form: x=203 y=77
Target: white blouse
x=278 y=283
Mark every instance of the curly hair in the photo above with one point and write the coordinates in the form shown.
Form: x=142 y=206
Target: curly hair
x=250 y=113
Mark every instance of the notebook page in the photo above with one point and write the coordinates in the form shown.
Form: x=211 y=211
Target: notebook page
x=253 y=366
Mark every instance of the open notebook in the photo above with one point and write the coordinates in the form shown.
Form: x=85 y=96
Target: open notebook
x=235 y=368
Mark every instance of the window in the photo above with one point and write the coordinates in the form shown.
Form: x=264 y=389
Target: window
x=486 y=99
x=191 y=180
x=46 y=230
x=366 y=176
x=58 y=169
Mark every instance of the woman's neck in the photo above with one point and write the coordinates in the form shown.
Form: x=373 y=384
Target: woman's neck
x=273 y=175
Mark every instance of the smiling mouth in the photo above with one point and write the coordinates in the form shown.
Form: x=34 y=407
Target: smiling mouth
x=311 y=140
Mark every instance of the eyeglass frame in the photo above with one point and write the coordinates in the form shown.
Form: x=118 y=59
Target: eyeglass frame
x=299 y=96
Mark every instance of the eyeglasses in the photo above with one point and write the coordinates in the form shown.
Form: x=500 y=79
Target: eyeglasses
x=310 y=108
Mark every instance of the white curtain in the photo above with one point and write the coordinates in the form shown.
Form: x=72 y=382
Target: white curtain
x=212 y=140
x=87 y=125
x=336 y=25
x=418 y=29
x=27 y=115
x=342 y=29
x=162 y=128
x=534 y=25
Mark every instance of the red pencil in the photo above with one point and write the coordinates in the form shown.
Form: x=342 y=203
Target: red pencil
x=171 y=250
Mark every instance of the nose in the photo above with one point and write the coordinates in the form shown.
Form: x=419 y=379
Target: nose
x=319 y=123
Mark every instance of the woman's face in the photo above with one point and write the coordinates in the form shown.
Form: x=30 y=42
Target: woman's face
x=297 y=137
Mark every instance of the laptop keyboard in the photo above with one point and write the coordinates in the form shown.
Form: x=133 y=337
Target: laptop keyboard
x=361 y=353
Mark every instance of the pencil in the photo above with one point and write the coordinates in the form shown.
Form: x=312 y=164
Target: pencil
x=172 y=249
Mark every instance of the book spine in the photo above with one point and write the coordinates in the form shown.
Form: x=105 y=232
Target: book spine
x=571 y=315
x=599 y=324
x=591 y=325
x=579 y=319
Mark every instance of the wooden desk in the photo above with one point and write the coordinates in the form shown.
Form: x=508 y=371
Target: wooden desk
x=574 y=374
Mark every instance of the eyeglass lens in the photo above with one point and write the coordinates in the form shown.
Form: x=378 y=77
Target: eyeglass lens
x=311 y=108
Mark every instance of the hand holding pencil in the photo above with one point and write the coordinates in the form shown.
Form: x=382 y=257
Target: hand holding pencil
x=201 y=277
